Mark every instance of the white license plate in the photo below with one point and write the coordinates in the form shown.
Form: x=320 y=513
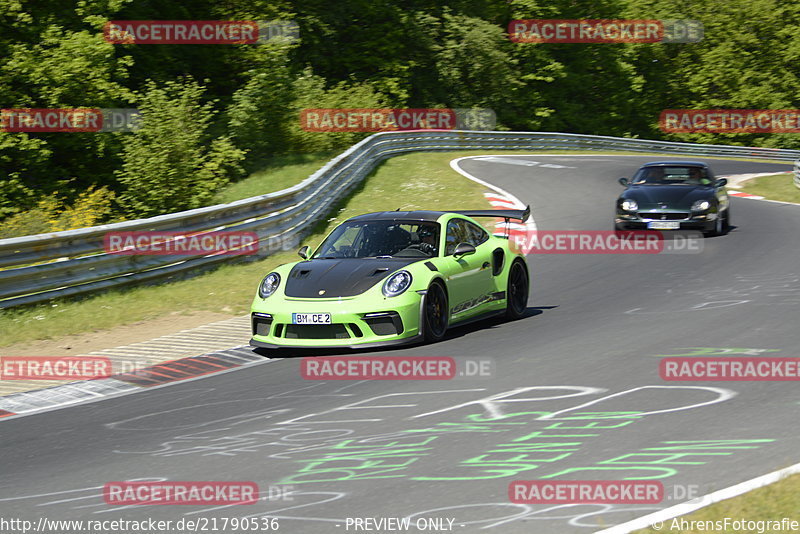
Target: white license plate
x=311 y=318
x=664 y=225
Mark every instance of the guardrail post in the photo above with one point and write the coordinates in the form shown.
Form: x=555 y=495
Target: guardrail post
x=797 y=173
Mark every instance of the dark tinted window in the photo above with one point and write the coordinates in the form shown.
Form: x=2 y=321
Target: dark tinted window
x=457 y=232
x=463 y=231
x=363 y=239
x=673 y=175
x=477 y=234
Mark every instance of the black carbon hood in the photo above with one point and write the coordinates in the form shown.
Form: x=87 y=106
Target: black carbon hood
x=340 y=277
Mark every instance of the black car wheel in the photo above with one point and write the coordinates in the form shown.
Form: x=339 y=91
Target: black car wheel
x=719 y=226
x=726 y=224
x=436 y=312
x=517 y=291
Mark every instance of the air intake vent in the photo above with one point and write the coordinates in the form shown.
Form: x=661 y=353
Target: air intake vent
x=261 y=324
x=384 y=324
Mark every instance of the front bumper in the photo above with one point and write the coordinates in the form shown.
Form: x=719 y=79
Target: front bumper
x=703 y=223
x=354 y=323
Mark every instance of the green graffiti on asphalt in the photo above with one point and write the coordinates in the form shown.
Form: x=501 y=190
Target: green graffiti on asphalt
x=658 y=462
x=354 y=459
x=519 y=449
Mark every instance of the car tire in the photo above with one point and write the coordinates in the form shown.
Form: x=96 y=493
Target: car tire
x=517 y=290
x=719 y=227
x=726 y=224
x=436 y=314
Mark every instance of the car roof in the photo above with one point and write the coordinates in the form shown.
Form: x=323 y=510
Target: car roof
x=675 y=164
x=418 y=215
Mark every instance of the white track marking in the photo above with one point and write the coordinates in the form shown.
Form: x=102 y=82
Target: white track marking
x=701 y=502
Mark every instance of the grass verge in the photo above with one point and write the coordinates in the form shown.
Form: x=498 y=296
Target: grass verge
x=775 y=187
x=770 y=503
x=276 y=173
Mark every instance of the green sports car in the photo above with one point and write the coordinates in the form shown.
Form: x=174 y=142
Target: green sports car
x=392 y=277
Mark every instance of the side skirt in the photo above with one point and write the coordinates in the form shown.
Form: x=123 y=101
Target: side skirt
x=476 y=318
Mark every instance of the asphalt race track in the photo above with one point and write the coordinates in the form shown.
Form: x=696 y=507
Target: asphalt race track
x=575 y=393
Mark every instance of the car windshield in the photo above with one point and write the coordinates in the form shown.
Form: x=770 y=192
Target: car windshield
x=369 y=239
x=680 y=175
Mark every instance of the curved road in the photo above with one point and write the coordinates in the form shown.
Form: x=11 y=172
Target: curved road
x=575 y=393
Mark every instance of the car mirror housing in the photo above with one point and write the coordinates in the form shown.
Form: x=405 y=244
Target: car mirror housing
x=303 y=252
x=463 y=249
x=721 y=182
x=624 y=181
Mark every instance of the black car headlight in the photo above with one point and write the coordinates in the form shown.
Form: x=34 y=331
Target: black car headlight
x=268 y=285
x=397 y=284
x=629 y=205
x=701 y=205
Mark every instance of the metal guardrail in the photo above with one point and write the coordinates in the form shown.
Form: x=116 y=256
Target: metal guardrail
x=58 y=264
x=797 y=173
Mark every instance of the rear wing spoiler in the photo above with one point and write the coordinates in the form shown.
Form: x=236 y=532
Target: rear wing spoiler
x=520 y=215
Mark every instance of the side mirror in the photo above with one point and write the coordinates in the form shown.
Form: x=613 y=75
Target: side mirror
x=721 y=182
x=303 y=252
x=463 y=249
x=624 y=182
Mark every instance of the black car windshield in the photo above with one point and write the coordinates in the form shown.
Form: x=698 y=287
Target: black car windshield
x=369 y=239
x=679 y=175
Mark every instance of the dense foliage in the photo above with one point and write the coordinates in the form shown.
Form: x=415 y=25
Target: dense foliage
x=216 y=111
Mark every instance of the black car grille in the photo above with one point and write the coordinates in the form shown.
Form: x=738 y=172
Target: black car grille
x=318 y=331
x=664 y=216
x=315 y=331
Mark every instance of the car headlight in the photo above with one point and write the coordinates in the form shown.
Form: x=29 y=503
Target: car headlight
x=629 y=205
x=701 y=205
x=396 y=284
x=268 y=285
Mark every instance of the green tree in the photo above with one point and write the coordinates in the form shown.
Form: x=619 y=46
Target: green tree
x=171 y=163
x=261 y=111
x=311 y=93
x=474 y=65
x=748 y=59
x=57 y=68
x=583 y=88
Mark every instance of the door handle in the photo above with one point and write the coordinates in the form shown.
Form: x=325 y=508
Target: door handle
x=486 y=265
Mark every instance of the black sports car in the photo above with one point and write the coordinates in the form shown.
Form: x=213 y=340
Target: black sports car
x=674 y=195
